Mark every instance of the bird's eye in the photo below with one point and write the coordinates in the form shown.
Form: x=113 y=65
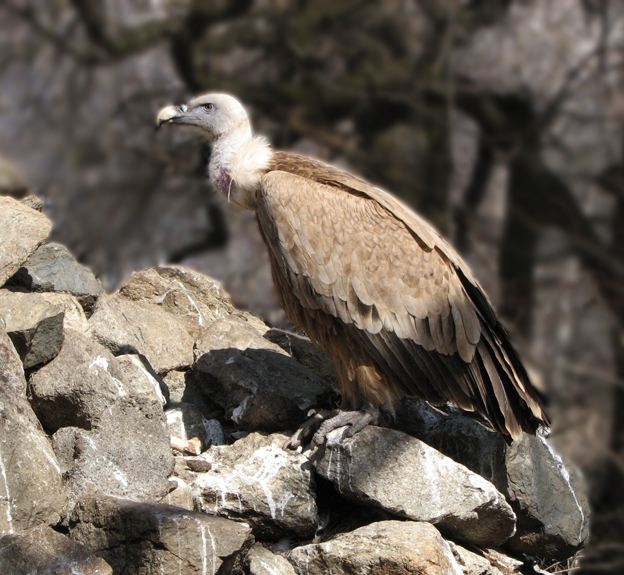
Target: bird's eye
x=208 y=107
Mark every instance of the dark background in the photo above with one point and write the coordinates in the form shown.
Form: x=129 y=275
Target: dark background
x=501 y=121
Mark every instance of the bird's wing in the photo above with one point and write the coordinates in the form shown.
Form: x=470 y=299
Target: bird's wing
x=398 y=288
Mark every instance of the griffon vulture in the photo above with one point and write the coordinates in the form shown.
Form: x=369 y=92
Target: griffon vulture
x=366 y=278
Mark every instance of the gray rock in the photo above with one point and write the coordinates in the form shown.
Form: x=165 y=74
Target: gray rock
x=383 y=548
x=185 y=421
x=138 y=537
x=43 y=551
x=551 y=506
x=31 y=491
x=260 y=561
x=125 y=454
x=126 y=327
x=33 y=202
x=34 y=325
x=53 y=269
x=22 y=231
x=299 y=347
x=390 y=470
x=75 y=317
x=78 y=385
x=486 y=562
x=141 y=377
x=195 y=299
x=187 y=387
x=256 y=380
x=257 y=481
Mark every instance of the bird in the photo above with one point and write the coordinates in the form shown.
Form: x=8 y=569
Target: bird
x=369 y=280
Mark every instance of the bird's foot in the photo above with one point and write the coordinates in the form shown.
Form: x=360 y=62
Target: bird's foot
x=321 y=423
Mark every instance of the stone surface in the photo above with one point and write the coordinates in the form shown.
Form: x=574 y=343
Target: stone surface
x=141 y=377
x=488 y=562
x=53 y=269
x=78 y=385
x=390 y=470
x=257 y=481
x=75 y=317
x=125 y=454
x=384 y=548
x=127 y=327
x=31 y=491
x=148 y=538
x=22 y=231
x=43 y=551
x=260 y=561
x=185 y=421
x=34 y=325
x=552 y=509
x=255 y=380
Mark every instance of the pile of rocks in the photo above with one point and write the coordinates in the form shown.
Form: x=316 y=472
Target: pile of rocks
x=142 y=432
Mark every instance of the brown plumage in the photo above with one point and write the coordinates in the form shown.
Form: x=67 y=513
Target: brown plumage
x=376 y=286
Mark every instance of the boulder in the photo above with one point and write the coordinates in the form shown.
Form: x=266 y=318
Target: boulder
x=34 y=325
x=185 y=421
x=125 y=454
x=53 y=269
x=188 y=387
x=489 y=562
x=22 y=231
x=257 y=481
x=78 y=385
x=144 y=382
x=75 y=317
x=124 y=326
x=407 y=478
x=31 y=491
x=43 y=551
x=260 y=561
x=383 y=548
x=136 y=537
x=256 y=381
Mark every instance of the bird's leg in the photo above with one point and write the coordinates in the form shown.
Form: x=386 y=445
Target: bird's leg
x=305 y=431
x=356 y=420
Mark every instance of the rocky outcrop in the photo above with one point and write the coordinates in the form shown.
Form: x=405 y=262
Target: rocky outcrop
x=149 y=439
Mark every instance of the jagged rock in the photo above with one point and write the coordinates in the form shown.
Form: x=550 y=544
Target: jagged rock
x=180 y=496
x=53 y=269
x=33 y=202
x=193 y=298
x=138 y=537
x=145 y=382
x=299 y=347
x=487 y=562
x=407 y=478
x=34 y=325
x=260 y=561
x=383 y=548
x=75 y=317
x=78 y=385
x=256 y=380
x=22 y=231
x=186 y=387
x=31 y=491
x=125 y=454
x=185 y=421
x=257 y=481
x=43 y=551
x=552 y=509
x=124 y=326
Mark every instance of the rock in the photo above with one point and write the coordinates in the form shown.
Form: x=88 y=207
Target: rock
x=260 y=561
x=552 y=509
x=195 y=299
x=487 y=562
x=33 y=202
x=186 y=421
x=257 y=481
x=43 y=551
x=22 y=231
x=187 y=387
x=78 y=385
x=143 y=380
x=311 y=356
x=53 y=269
x=34 y=325
x=127 y=327
x=181 y=496
x=31 y=491
x=384 y=548
x=256 y=380
x=407 y=478
x=75 y=317
x=125 y=454
x=136 y=537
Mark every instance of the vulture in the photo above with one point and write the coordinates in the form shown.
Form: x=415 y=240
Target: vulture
x=368 y=280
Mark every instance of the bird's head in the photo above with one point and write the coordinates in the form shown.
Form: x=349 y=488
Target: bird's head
x=215 y=115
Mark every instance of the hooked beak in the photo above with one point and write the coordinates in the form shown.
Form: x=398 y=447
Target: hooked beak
x=170 y=114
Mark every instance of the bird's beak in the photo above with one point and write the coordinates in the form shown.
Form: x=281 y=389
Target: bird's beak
x=170 y=114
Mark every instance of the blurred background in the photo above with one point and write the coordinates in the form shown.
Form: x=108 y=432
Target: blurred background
x=501 y=121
